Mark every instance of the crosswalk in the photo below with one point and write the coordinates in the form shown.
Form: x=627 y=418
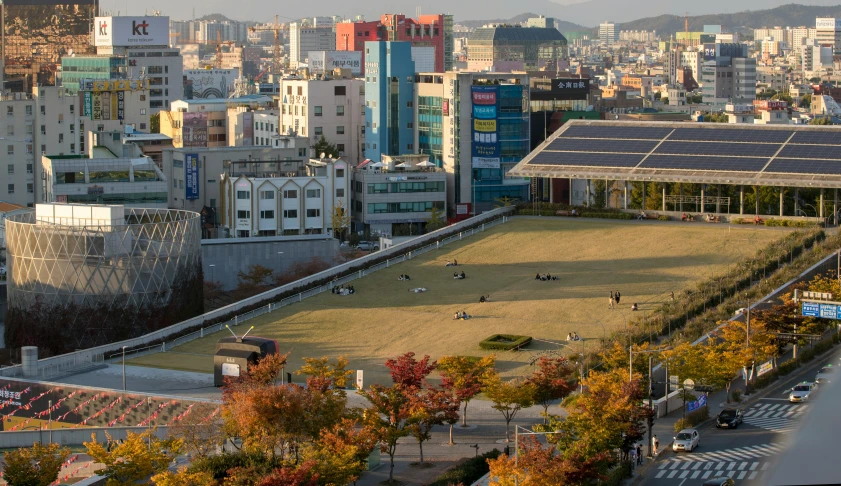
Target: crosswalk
x=729 y=455
x=775 y=417
x=739 y=470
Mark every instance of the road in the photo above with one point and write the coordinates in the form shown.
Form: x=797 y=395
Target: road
x=746 y=454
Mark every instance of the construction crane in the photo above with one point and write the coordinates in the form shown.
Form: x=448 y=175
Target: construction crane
x=228 y=43
x=276 y=28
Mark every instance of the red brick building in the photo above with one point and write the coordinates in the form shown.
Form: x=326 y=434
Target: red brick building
x=426 y=31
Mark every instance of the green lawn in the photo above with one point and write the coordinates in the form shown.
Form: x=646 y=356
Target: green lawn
x=644 y=261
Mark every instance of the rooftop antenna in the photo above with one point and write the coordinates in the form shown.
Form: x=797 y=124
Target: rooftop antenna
x=239 y=339
x=686 y=22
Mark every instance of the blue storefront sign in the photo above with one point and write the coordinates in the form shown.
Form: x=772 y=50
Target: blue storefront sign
x=191 y=176
x=486 y=146
x=484 y=112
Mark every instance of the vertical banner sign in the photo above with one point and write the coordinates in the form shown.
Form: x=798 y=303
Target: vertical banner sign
x=486 y=147
x=88 y=104
x=191 y=176
x=96 y=111
x=121 y=105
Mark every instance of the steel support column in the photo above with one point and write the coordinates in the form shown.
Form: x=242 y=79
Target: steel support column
x=741 y=199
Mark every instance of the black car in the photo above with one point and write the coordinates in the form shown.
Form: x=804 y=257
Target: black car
x=729 y=418
x=724 y=481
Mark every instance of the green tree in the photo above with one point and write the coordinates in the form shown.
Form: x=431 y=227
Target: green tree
x=822 y=120
x=436 y=220
x=815 y=80
x=135 y=459
x=322 y=146
x=665 y=100
x=806 y=100
x=155 y=123
x=38 y=465
x=257 y=276
x=509 y=397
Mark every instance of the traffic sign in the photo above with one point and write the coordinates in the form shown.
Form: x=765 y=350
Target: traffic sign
x=688 y=383
x=816 y=309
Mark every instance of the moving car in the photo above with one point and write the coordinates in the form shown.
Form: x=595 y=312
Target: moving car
x=825 y=374
x=686 y=440
x=368 y=246
x=801 y=392
x=729 y=418
x=722 y=481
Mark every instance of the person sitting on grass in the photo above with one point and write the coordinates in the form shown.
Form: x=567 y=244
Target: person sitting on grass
x=462 y=275
x=482 y=299
x=464 y=315
x=537 y=277
x=634 y=307
x=458 y=316
x=455 y=262
x=449 y=264
x=455 y=275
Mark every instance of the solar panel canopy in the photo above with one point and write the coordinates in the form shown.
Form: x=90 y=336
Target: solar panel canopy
x=775 y=155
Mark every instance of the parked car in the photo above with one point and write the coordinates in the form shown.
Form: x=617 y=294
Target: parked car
x=802 y=392
x=825 y=374
x=729 y=418
x=686 y=440
x=368 y=246
x=722 y=481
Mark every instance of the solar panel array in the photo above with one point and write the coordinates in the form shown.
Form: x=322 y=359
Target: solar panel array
x=700 y=148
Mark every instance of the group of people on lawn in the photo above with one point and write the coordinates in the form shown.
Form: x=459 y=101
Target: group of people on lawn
x=545 y=277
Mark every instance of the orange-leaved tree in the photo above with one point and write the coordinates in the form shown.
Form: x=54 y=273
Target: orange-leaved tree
x=508 y=397
x=464 y=375
x=552 y=380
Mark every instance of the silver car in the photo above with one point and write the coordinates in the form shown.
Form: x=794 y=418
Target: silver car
x=802 y=392
x=686 y=440
x=825 y=374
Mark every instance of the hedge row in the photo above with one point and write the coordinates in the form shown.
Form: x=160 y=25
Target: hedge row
x=468 y=472
x=584 y=213
x=618 y=476
x=788 y=223
x=692 y=419
x=511 y=341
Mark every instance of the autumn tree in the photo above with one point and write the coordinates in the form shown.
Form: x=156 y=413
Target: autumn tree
x=339 y=218
x=200 y=431
x=538 y=465
x=183 y=477
x=464 y=375
x=508 y=397
x=552 y=381
x=38 y=465
x=339 y=453
x=388 y=414
x=257 y=276
x=406 y=371
x=429 y=407
x=137 y=458
x=302 y=475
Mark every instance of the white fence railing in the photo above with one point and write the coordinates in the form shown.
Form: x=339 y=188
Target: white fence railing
x=156 y=341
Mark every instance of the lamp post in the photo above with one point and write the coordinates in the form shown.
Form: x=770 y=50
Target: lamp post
x=50 y=411
x=124 y=368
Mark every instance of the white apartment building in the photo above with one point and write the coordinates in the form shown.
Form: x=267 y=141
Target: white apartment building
x=772 y=77
x=828 y=33
x=306 y=37
x=17 y=122
x=693 y=60
x=816 y=57
x=334 y=108
x=643 y=36
x=300 y=198
x=215 y=31
x=779 y=34
x=266 y=126
x=608 y=33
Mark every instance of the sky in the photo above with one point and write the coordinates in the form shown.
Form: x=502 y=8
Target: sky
x=586 y=12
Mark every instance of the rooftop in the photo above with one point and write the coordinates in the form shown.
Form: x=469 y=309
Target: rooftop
x=712 y=153
x=516 y=34
x=242 y=99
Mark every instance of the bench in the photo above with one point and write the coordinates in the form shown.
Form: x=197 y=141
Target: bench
x=652 y=216
x=565 y=213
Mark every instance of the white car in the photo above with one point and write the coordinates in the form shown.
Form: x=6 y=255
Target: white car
x=825 y=374
x=802 y=392
x=368 y=246
x=686 y=440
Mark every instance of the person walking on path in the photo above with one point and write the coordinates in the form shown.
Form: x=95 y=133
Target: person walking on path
x=617 y=296
x=633 y=456
x=639 y=454
x=611 y=301
x=654 y=445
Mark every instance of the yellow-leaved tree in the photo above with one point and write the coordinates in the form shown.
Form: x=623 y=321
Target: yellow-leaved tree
x=137 y=458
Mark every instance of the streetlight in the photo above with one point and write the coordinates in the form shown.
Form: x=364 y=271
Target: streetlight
x=124 y=368
x=50 y=410
x=212 y=272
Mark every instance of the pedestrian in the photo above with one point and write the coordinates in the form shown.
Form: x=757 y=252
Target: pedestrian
x=655 y=443
x=639 y=454
x=617 y=296
x=633 y=456
x=610 y=302
x=672 y=296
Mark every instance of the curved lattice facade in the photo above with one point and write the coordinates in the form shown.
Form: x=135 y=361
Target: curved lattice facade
x=99 y=274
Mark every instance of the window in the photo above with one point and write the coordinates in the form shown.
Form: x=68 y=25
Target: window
x=340 y=110
x=409 y=104
x=10 y=189
x=290 y=213
x=313 y=213
x=10 y=149
x=313 y=193
x=340 y=193
x=243 y=195
x=72 y=148
x=341 y=148
x=317 y=111
x=30 y=188
x=318 y=131
x=143 y=111
x=60 y=138
x=243 y=214
x=266 y=214
x=300 y=91
x=410 y=125
x=340 y=172
x=29 y=109
x=43 y=129
x=28 y=168
x=410 y=146
x=290 y=194
x=181 y=184
x=10 y=111
x=72 y=109
x=43 y=110
x=340 y=130
x=266 y=194
x=11 y=169
x=339 y=90
x=213 y=203
x=10 y=130
x=72 y=128
x=379 y=188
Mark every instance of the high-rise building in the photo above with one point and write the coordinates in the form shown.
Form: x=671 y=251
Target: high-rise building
x=389 y=99
x=36 y=34
x=541 y=22
x=828 y=33
x=306 y=36
x=729 y=75
x=506 y=48
x=476 y=126
x=608 y=33
x=221 y=31
x=434 y=31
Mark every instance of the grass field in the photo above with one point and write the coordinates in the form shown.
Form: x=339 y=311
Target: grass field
x=644 y=261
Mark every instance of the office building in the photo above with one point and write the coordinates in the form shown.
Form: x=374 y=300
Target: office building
x=541 y=22
x=290 y=197
x=333 y=108
x=265 y=124
x=608 y=34
x=37 y=34
x=816 y=57
x=93 y=67
x=692 y=60
x=730 y=76
x=213 y=31
x=511 y=48
x=388 y=196
x=17 y=125
x=434 y=31
x=476 y=126
x=828 y=33
x=204 y=122
x=389 y=99
x=306 y=36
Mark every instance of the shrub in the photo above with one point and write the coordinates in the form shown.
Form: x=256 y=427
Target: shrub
x=218 y=466
x=617 y=476
x=663 y=217
x=692 y=419
x=737 y=395
x=468 y=472
x=505 y=342
x=765 y=380
x=737 y=220
x=787 y=367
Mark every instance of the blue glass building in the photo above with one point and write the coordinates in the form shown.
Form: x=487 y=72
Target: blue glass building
x=389 y=99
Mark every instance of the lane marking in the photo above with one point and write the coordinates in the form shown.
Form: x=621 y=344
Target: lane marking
x=742 y=475
x=706 y=474
x=660 y=474
x=672 y=474
x=752 y=476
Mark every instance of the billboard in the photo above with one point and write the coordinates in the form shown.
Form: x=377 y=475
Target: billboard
x=709 y=52
x=770 y=104
x=445 y=107
x=828 y=23
x=191 y=176
x=131 y=31
x=212 y=83
x=321 y=61
x=707 y=39
x=485 y=143
x=570 y=88
x=194 y=130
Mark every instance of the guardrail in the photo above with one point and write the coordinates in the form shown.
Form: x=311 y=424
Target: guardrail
x=338 y=275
